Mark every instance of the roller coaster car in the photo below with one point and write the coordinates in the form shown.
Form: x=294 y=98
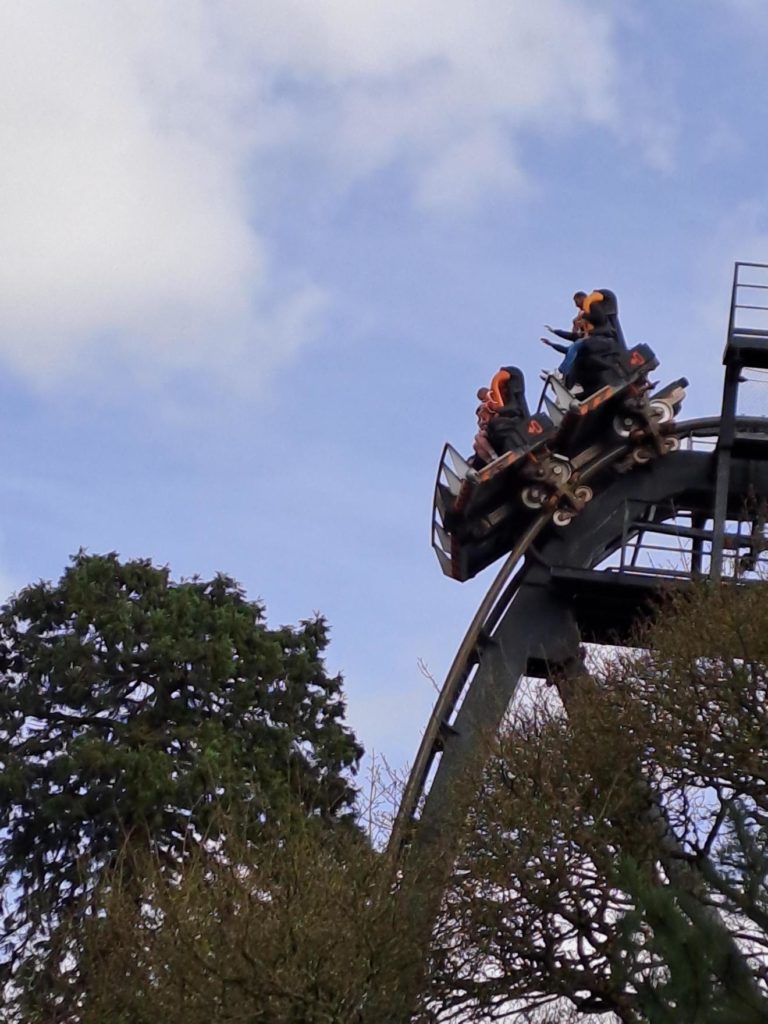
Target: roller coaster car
x=623 y=405
x=479 y=510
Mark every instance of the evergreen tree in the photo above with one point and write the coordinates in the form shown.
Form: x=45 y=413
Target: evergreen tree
x=694 y=978
x=134 y=709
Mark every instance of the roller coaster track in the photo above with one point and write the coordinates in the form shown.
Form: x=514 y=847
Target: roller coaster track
x=493 y=644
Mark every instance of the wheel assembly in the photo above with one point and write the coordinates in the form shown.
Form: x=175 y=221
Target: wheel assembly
x=533 y=496
x=662 y=411
x=562 y=517
x=562 y=471
x=583 y=494
x=624 y=425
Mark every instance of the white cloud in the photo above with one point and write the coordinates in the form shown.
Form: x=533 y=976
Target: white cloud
x=132 y=134
x=419 y=80
x=474 y=166
x=123 y=199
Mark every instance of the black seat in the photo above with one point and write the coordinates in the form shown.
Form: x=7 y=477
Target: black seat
x=610 y=308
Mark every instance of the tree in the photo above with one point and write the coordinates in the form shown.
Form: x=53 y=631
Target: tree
x=616 y=856
x=135 y=710
x=301 y=930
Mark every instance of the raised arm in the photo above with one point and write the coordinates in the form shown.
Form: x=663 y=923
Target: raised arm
x=554 y=345
x=565 y=335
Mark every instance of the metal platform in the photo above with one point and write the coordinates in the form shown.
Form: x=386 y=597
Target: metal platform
x=746 y=348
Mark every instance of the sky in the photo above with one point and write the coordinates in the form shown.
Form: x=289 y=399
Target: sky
x=258 y=256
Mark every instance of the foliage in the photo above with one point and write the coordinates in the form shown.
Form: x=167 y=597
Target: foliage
x=301 y=930
x=695 y=983
x=615 y=858
x=613 y=863
x=133 y=710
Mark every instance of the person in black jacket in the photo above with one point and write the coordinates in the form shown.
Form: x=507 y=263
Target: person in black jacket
x=578 y=328
x=599 y=359
x=595 y=355
x=575 y=336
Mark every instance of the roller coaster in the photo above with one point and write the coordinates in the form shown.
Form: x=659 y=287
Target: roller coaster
x=478 y=512
x=593 y=527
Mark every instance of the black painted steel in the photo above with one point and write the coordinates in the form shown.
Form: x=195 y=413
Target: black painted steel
x=745 y=347
x=529 y=617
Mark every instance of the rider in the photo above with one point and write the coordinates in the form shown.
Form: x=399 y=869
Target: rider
x=602 y=309
x=507 y=400
x=575 y=336
x=577 y=329
x=600 y=355
x=597 y=341
x=485 y=412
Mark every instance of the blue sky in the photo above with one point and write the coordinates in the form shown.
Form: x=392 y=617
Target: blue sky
x=258 y=256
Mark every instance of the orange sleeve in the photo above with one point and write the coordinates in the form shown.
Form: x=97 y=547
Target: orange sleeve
x=591 y=299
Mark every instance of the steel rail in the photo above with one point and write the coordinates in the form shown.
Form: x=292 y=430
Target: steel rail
x=463 y=662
